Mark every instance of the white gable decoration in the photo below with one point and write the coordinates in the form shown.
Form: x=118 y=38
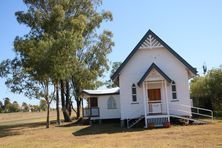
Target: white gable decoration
x=151 y=42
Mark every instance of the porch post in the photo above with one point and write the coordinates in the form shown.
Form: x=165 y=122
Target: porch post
x=82 y=108
x=167 y=100
x=145 y=104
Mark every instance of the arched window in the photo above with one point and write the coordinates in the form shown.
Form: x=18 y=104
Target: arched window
x=111 y=103
x=174 y=90
x=134 y=93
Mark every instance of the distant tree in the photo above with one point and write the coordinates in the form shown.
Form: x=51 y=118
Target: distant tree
x=43 y=105
x=25 y=107
x=110 y=83
x=14 y=107
x=7 y=105
x=1 y=107
x=36 y=108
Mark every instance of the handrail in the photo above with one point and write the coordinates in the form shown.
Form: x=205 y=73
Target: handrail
x=89 y=112
x=151 y=108
x=187 y=118
x=191 y=112
x=198 y=109
x=163 y=110
x=194 y=107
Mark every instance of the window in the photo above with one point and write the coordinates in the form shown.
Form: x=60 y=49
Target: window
x=111 y=103
x=174 y=90
x=134 y=93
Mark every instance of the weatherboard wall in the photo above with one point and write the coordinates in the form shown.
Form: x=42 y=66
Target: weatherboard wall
x=135 y=69
x=106 y=113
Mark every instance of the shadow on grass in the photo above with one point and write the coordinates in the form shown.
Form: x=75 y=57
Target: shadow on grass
x=104 y=128
x=74 y=122
x=13 y=130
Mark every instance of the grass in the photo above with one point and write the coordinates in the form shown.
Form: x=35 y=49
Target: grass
x=32 y=133
x=11 y=119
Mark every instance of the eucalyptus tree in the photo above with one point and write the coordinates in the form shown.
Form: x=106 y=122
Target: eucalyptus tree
x=24 y=76
x=62 y=45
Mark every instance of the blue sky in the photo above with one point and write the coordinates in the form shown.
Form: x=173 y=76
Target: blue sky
x=191 y=27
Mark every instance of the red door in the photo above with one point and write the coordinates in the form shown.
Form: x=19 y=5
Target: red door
x=154 y=95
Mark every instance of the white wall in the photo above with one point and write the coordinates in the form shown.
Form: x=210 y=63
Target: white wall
x=106 y=113
x=135 y=69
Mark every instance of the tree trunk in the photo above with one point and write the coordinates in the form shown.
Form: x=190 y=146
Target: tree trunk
x=47 y=118
x=64 y=110
x=78 y=103
x=68 y=101
x=57 y=103
x=48 y=103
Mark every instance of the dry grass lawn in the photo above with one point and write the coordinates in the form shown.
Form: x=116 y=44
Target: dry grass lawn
x=107 y=135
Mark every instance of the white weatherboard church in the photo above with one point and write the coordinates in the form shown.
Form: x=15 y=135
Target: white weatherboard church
x=153 y=85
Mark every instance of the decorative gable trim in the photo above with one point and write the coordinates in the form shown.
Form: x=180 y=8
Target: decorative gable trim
x=156 y=41
x=154 y=66
x=151 y=42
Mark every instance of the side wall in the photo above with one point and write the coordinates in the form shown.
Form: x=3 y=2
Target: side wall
x=106 y=113
x=135 y=69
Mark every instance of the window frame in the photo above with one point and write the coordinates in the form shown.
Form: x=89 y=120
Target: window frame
x=174 y=92
x=111 y=103
x=134 y=93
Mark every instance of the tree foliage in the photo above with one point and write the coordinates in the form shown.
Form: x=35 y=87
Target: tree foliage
x=14 y=107
x=115 y=66
x=18 y=80
x=208 y=89
x=198 y=87
x=214 y=87
x=43 y=105
x=9 y=107
x=25 y=107
x=63 y=44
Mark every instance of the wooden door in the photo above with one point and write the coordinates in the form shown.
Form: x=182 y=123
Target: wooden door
x=93 y=102
x=154 y=95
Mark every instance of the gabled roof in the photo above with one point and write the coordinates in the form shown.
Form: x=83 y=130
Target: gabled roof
x=111 y=91
x=153 y=66
x=156 y=42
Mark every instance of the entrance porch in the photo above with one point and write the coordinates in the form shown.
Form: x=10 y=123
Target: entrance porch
x=155 y=96
x=156 y=106
x=92 y=109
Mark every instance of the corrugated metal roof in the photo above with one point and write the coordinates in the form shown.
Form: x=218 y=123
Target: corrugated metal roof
x=102 y=91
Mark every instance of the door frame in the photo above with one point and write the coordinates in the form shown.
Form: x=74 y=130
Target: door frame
x=155 y=107
x=90 y=102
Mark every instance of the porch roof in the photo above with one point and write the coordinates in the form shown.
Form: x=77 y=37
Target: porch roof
x=111 y=91
x=154 y=66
